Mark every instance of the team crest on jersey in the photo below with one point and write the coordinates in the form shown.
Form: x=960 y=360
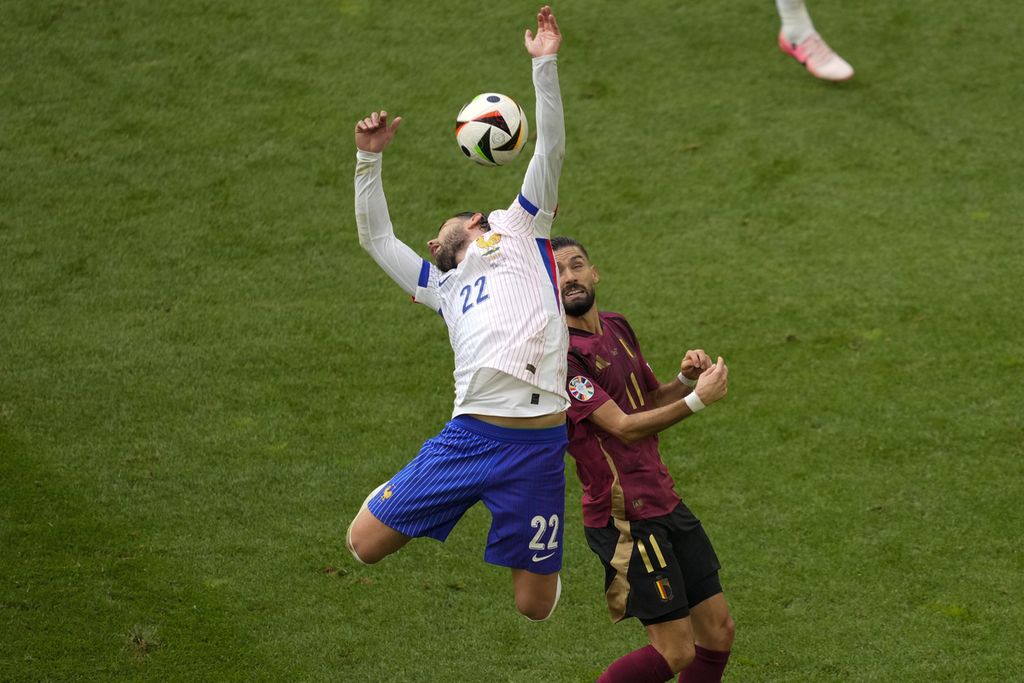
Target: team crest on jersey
x=664 y=588
x=489 y=243
x=581 y=388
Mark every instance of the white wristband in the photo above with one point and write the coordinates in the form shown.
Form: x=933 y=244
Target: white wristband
x=693 y=402
x=687 y=382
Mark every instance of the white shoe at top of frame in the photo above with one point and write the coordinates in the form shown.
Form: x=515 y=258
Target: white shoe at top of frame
x=818 y=57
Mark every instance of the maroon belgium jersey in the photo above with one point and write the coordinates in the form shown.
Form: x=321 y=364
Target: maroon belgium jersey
x=625 y=481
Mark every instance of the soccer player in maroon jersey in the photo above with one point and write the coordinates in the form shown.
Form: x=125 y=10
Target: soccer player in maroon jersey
x=660 y=566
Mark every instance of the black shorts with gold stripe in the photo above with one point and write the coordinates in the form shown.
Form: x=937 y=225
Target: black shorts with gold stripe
x=656 y=569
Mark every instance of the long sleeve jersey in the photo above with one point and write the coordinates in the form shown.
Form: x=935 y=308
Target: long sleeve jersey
x=501 y=304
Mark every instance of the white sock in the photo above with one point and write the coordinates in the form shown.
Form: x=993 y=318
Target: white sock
x=796 y=22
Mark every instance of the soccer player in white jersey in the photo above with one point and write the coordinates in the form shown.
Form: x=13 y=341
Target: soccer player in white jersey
x=493 y=280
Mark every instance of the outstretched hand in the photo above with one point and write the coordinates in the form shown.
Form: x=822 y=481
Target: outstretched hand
x=548 y=38
x=373 y=133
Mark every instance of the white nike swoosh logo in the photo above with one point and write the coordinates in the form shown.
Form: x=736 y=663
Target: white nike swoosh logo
x=541 y=559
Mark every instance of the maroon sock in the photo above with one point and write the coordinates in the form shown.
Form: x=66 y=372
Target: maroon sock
x=645 y=665
x=707 y=667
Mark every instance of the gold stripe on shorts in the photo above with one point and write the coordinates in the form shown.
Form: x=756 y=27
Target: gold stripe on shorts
x=618 y=590
x=647 y=558
x=657 y=551
x=617 y=495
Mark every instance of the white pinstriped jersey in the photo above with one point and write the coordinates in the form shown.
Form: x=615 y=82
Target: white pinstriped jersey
x=502 y=307
x=501 y=304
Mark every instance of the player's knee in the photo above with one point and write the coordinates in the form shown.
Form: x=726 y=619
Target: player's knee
x=350 y=544
x=727 y=634
x=720 y=635
x=538 y=608
x=679 y=655
x=359 y=549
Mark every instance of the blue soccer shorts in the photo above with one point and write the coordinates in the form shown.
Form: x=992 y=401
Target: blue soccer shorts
x=519 y=474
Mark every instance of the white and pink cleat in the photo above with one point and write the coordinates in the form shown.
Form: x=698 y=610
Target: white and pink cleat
x=818 y=57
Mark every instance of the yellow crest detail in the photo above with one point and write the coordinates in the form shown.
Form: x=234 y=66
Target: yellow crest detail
x=387 y=493
x=487 y=241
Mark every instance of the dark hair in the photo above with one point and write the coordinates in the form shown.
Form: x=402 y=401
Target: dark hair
x=561 y=242
x=484 y=225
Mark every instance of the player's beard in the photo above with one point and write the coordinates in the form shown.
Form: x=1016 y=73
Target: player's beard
x=444 y=257
x=580 y=305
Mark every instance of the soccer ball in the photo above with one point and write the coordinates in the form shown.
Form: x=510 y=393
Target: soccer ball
x=491 y=129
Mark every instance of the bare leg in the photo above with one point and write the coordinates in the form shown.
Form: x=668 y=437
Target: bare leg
x=714 y=630
x=371 y=540
x=536 y=594
x=713 y=626
x=674 y=641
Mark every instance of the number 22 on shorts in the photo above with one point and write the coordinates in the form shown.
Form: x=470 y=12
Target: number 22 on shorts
x=542 y=525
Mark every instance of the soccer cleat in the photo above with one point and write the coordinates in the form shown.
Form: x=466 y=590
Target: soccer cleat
x=818 y=57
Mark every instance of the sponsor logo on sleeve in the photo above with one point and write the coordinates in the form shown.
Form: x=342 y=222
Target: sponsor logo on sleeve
x=581 y=388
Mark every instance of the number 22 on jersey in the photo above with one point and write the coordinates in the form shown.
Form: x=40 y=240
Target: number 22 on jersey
x=479 y=289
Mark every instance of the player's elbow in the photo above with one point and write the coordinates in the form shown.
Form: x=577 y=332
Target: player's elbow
x=630 y=438
x=363 y=229
x=364 y=238
x=368 y=243
x=556 y=154
x=625 y=432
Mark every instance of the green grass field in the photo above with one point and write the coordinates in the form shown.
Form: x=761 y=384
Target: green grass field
x=202 y=375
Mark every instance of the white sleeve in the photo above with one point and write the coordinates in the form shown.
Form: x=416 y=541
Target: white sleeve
x=539 y=195
x=417 y=276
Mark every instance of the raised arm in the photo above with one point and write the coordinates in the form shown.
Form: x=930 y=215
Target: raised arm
x=540 y=186
x=693 y=364
x=628 y=428
x=376 y=234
